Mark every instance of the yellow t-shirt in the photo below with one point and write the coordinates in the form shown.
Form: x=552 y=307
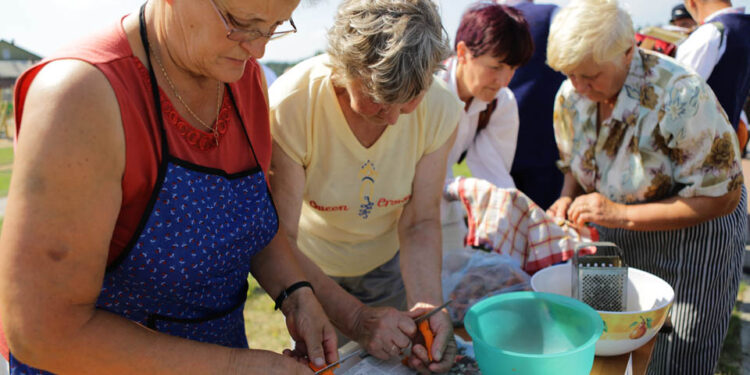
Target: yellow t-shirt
x=353 y=196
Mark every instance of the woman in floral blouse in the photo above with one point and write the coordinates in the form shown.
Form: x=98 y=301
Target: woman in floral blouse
x=650 y=158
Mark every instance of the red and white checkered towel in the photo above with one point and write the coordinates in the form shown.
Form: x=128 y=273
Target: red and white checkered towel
x=508 y=222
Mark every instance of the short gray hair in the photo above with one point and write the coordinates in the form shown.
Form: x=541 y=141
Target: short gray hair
x=597 y=29
x=393 y=47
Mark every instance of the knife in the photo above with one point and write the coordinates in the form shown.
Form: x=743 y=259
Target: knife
x=433 y=311
x=363 y=354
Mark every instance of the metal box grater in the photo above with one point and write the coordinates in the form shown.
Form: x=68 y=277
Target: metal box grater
x=601 y=281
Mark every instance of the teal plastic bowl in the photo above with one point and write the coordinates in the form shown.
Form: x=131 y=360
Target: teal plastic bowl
x=533 y=333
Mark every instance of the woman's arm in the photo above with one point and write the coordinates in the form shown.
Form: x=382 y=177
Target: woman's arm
x=64 y=201
x=376 y=329
x=420 y=238
x=276 y=268
x=419 y=230
x=666 y=214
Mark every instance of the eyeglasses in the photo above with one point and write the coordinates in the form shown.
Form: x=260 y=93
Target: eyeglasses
x=244 y=35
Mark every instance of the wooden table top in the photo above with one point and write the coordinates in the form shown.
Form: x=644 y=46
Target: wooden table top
x=618 y=364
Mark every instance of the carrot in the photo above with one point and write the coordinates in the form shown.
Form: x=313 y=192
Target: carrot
x=424 y=329
x=326 y=372
x=429 y=337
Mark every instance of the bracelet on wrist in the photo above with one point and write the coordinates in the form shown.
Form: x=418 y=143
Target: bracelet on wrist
x=288 y=291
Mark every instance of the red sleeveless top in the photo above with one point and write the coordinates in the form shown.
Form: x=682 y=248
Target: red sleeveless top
x=110 y=52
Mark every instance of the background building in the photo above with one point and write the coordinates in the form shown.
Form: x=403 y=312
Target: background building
x=13 y=61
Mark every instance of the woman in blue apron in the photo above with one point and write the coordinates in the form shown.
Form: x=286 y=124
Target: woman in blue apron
x=105 y=159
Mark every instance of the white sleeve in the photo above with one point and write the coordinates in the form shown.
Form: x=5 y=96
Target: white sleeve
x=490 y=156
x=701 y=50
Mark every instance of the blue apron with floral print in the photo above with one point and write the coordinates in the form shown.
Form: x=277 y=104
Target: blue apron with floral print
x=185 y=271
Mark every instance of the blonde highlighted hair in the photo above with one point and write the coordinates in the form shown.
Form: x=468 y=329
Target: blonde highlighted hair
x=393 y=47
x=600 y=30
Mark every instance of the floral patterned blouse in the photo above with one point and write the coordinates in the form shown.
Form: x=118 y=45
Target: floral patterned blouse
x=667 y=135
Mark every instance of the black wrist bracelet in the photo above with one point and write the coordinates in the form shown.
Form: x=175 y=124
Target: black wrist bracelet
x=286 y=292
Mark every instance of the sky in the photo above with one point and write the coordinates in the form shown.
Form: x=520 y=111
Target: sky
x=41 y=26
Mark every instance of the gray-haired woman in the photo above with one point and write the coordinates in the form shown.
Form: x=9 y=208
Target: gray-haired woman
x=651 y=159
x=362 y=135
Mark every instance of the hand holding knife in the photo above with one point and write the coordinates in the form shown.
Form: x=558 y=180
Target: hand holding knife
x=432 y=312
x=423 y=327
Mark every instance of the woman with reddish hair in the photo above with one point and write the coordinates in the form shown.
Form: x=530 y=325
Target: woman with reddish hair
x=492 y=41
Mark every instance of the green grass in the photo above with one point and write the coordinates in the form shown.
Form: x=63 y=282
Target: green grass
x=6 y=156
x=4 y=183
x=730 y=360
x=6 y=161
x=461 y=169
x=265 y=327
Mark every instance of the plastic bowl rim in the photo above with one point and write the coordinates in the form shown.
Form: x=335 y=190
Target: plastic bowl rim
x=556 y=298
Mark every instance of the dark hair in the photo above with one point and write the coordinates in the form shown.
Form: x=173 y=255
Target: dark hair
x=679 y=11
x=497 y=30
